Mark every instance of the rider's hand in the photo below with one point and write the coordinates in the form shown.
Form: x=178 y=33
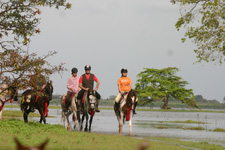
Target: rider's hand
x=87 y=89
x=95 y=89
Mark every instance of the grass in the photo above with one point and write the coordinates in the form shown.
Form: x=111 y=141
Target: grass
x=218 y=130
x=33 y=133
x=187 y=121
x=194 y=128
x=7 y=114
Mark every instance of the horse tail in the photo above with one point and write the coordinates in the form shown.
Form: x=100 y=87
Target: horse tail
x=62 y=106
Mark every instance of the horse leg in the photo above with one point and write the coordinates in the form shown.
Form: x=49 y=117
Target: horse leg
x=68 y=122
x=121 y=123
x=81 y=127
x=130 y=122
x=42 y=118
x=76 y=121
x=90 y=122
x=79 y=120
x=86 y=126
x=25 y=114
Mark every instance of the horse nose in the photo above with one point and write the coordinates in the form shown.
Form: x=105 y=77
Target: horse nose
x=92 y=106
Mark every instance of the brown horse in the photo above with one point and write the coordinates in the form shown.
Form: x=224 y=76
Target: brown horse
x=125 y=111
x=88 y=106
x=41 y=100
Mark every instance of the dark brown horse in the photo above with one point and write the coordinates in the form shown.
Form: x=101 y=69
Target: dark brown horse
x=125 y=111
x=88 y=106
x=40 y=99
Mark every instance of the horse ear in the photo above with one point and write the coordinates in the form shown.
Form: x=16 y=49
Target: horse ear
x=42 y=146
x=19 y=145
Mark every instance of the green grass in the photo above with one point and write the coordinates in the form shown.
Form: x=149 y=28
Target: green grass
x=187 y=121
x=7 y=114
x=194 y=128
x=219 y=130
x=34 y=133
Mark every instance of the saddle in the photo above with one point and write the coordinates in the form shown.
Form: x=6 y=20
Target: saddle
x=69 y=101
x=123 y=95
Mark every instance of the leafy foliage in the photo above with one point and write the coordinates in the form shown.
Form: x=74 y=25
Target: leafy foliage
x=205 y=23
x=163 y=84
x=18 y=23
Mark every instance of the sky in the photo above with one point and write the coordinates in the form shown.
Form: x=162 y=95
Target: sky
x=112 y=34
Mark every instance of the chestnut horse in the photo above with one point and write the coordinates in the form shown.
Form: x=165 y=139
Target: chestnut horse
x=4 y=91
x=88 y=106
x=41 y=100
x=72 y=109
x=125 y=111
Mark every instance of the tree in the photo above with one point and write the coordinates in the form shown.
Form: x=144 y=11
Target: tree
x=205 y=23
x=18 y=23
x=162 y=84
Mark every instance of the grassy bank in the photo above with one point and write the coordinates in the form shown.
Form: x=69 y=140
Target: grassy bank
x=34 y=133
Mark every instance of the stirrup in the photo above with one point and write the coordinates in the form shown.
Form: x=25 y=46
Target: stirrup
x=32 y=109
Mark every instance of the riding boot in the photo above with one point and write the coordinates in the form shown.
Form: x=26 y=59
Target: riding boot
x=66 y=106
x=96 y=109
x=117 y=107
x=135 y=104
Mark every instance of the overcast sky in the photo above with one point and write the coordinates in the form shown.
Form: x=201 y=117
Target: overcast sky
x=114 y=34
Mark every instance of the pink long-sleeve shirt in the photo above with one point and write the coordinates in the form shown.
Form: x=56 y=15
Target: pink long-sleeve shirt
x=73 y=83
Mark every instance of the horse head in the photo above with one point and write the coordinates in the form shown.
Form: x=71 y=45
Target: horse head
x=13 y=92
x=10 y=90
x=131 y=97
x=92 y=99
x=49 y=89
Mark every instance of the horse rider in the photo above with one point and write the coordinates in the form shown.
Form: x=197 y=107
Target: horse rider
x=37 y=83
x=86 y=82
x=72 y=86
x=124 y=86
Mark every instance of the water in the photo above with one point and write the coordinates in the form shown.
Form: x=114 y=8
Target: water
x=145 y=124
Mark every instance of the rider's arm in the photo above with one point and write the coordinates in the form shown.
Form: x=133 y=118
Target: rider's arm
x=80 y=85
x=98 y=83
x=131 y=86
x=119 y=88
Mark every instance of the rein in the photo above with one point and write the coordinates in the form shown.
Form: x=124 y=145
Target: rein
x=38 y=96
x=3 y=103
